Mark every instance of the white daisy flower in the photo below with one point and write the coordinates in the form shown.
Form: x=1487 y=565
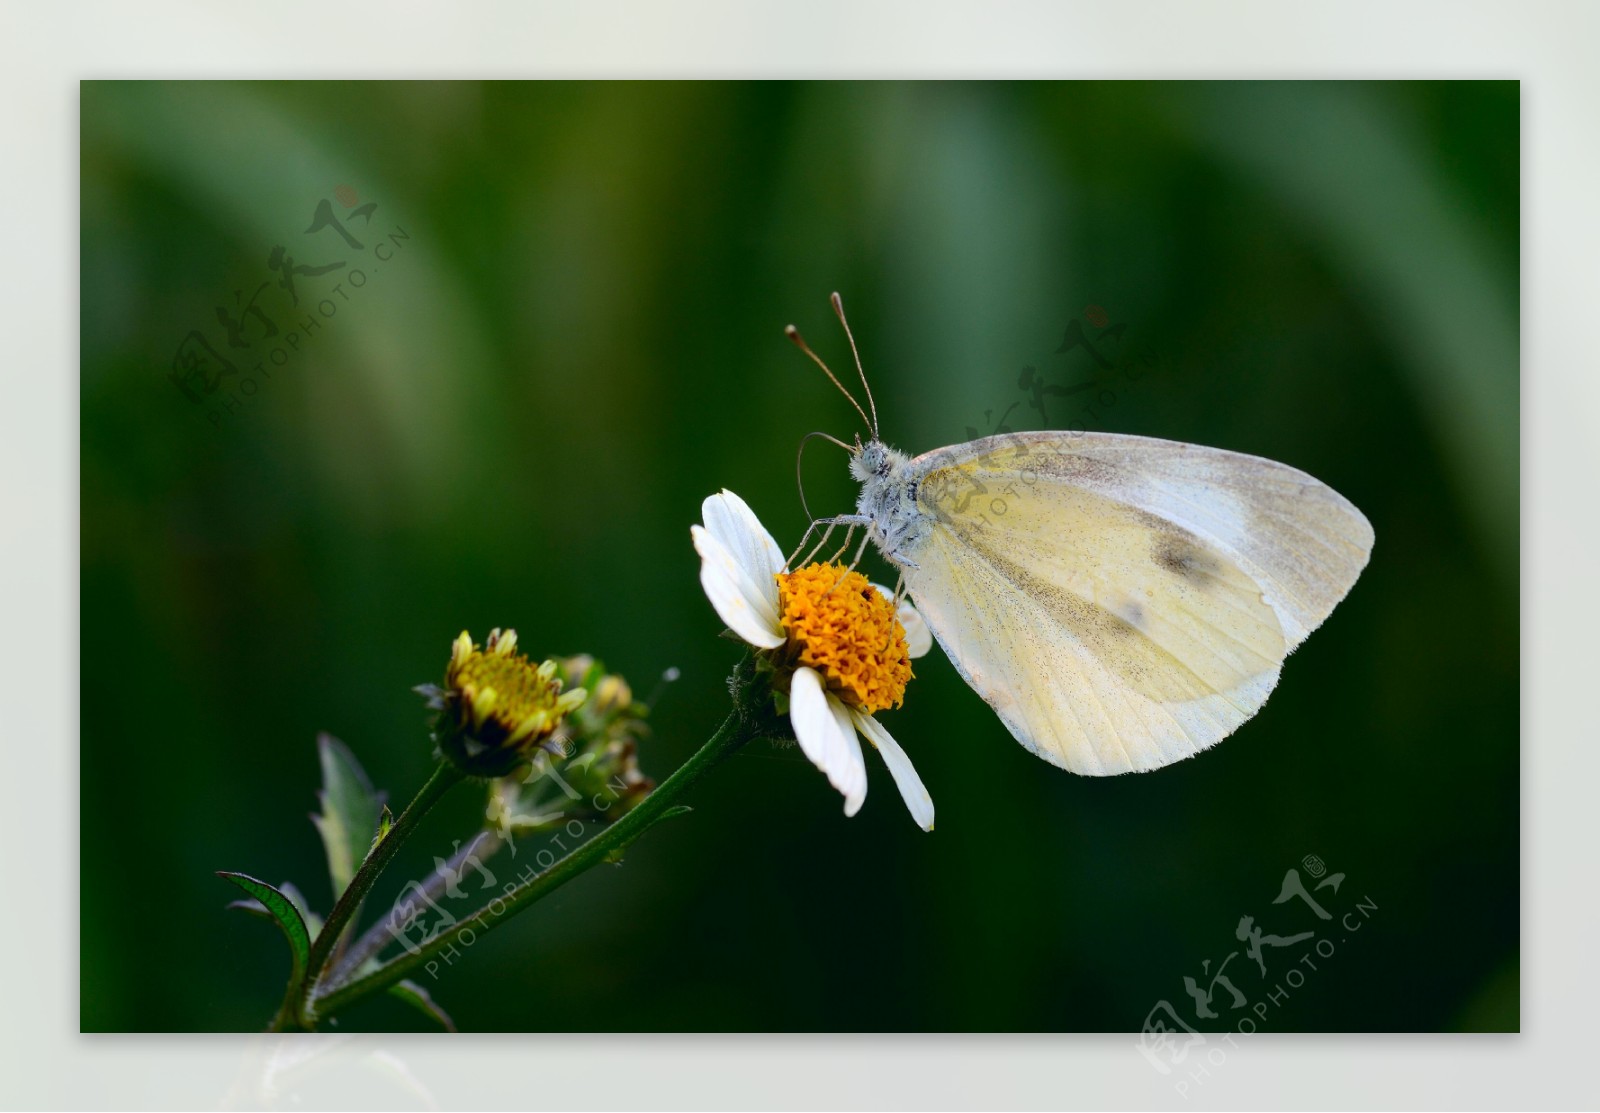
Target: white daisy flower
x=839 y=644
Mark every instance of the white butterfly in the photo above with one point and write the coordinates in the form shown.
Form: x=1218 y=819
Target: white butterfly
x=1121 y=602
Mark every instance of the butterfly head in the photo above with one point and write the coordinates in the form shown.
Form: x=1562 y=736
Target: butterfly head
x=870 y=461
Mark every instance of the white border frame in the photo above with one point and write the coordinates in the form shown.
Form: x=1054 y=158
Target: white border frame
x=1549 y=46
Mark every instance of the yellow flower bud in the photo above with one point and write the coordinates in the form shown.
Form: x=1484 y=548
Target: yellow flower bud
x=496 y=707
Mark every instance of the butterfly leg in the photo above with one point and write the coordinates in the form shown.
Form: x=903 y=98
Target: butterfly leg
x=850 y=531
x=892 y=555
x=861 y=550
x=855 y=560
x=841 y=520
x=821 y=541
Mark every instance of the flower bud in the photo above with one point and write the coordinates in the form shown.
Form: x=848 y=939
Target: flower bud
x=612 y=694
x=496 y=707
x=592 y=772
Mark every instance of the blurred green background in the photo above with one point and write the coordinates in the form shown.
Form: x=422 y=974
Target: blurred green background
x=576 y=336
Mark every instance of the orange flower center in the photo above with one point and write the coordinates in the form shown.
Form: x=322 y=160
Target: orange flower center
x=841 y=626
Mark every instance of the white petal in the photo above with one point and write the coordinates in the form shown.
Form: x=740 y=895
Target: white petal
x=746 y=610
x=736 y=526
x=905 y=777
x=828 y=737
x=918 y=639
x=856 y=795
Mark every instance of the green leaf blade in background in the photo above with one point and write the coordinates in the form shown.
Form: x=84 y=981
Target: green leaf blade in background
x=351 y=809
x=284 y=913
x=413 y=994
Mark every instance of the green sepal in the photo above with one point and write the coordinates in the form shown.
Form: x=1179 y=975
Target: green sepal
x=385 y=822
x=278 y=905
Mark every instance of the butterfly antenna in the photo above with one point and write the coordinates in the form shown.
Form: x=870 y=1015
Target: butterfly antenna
x=838 y=309
x=800 y=455
x=799 y=342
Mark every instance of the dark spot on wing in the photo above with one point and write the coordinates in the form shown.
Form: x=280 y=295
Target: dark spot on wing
x=1118 y=639
x=1179 y=555
x=1125 y=621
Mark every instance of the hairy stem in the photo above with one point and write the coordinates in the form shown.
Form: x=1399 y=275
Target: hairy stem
x=444 y=778
x=484 y=845
x=733 y=733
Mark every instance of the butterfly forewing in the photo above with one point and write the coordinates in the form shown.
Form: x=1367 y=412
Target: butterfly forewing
x=1124 y=602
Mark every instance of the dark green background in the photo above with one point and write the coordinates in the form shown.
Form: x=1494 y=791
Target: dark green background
x=514 y=421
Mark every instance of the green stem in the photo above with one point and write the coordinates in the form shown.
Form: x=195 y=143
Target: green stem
x=445 y=777
x=733 y=733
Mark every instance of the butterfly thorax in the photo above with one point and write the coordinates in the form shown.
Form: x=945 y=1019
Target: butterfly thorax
x=889 y=501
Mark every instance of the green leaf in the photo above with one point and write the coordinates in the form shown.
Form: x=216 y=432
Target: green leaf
x=350 y=814
x=252 y=906
x=675 y=811
x=413 y=994
x=282 y=910
x=302 y=906
x=313 y=922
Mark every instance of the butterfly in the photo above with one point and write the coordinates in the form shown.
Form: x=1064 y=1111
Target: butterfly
x=1121 y=602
